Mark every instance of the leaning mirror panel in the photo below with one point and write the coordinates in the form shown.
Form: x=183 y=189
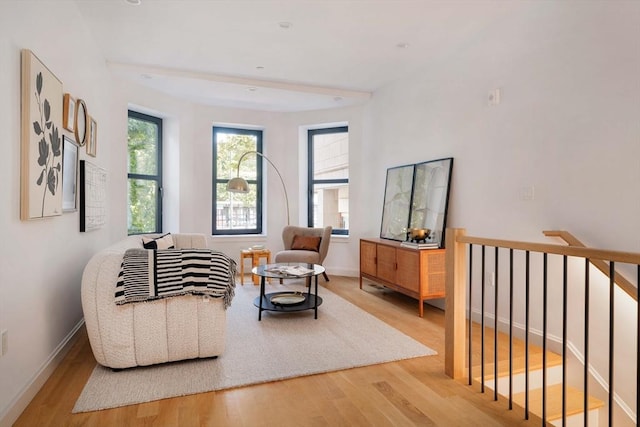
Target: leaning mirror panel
x=397 y=202
x=416 y=200
x=430 y=197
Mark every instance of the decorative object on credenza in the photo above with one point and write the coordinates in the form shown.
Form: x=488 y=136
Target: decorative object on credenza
x=397 y=202
x=81 y=123
x=69 y=175
x=93 y=196
x=415 y=202
x=68 y=112
x=92 y=143
x=418 y=235
x=41 y=151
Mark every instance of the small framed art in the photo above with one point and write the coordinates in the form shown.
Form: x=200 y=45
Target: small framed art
x=68 y=112
x=92 y=144
x=69 y=175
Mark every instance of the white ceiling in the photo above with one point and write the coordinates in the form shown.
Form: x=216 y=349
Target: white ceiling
x=335 y=52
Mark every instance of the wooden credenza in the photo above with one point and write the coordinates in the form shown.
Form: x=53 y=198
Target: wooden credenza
x=417 y=273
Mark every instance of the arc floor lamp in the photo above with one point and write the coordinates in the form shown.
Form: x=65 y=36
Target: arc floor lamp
x=240 y=185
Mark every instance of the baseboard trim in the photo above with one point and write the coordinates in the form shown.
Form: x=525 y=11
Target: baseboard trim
x=347 y=272
x=22 y=400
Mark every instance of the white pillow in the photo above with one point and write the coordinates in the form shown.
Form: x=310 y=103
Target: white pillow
x=162 y=242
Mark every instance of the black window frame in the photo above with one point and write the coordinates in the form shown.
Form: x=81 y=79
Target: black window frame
x=258 y=182
x=158 y=177
x=311 y=181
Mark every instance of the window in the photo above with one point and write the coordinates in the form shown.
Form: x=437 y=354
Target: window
x=329 y=178
x=144 y=188
x=236 y=213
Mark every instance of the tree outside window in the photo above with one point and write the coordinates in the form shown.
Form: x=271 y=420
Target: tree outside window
x=235 y=213
x=144 y=174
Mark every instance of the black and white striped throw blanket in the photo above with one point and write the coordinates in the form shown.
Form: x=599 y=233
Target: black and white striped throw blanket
x=152 y=274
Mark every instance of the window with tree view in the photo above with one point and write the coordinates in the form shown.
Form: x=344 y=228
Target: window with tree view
x=144 y=174
x=236 y=213
x=328 y=180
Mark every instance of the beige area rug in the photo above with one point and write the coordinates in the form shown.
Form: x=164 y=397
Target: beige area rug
x=282 y=345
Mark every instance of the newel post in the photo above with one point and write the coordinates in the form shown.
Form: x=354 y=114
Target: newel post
x=455 y=304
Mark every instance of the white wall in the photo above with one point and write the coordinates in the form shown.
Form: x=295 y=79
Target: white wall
x=41 y=261
x=567 y=125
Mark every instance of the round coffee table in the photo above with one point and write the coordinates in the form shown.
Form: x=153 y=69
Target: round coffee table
x=287 y=301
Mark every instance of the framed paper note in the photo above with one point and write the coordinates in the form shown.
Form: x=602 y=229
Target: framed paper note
x=93 y=196
x=41 y=145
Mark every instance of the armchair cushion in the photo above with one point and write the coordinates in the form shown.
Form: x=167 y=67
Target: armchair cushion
x=306 y=243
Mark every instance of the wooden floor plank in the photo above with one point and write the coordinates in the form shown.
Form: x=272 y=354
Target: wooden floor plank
x=409 y=392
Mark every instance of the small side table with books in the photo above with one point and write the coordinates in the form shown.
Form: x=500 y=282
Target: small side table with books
x=254 y=254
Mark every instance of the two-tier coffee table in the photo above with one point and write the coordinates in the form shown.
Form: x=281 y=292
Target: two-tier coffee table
x=287 y=301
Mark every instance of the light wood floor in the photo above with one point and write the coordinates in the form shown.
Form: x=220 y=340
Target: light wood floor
x=412 y=392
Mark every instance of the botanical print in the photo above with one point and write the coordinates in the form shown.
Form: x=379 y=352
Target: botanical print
x=42 y=161
x=49 y=146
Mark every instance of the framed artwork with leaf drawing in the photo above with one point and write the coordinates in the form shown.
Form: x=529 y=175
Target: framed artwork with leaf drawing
x=41 y=145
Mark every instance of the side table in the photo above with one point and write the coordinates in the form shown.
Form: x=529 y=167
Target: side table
x=255 y=255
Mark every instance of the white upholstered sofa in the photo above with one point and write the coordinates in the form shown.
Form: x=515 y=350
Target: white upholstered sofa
x=147 y=333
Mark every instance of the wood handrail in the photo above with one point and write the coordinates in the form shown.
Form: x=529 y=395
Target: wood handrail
x=571 y=240
x=616 y=256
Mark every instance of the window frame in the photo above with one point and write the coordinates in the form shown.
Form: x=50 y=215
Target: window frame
x=310 y=173
x=158 y=176
x=258 y=133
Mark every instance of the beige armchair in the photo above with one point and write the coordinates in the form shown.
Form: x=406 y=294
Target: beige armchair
x=304 y=244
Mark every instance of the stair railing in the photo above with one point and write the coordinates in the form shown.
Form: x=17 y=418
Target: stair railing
x=458 y=347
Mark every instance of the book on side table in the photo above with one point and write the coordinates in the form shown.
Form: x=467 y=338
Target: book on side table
x=412 y=245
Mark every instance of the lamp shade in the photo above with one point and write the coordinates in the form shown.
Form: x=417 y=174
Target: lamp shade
x=238 y=185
